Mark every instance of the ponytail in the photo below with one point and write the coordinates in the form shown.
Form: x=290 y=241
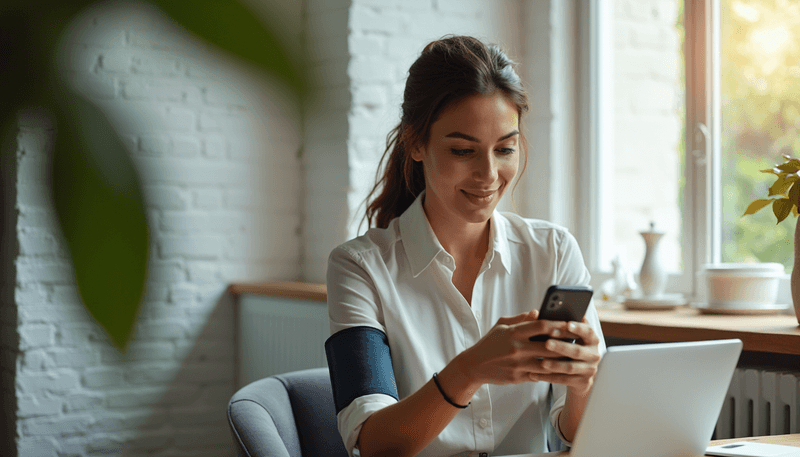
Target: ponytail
x=402 y=181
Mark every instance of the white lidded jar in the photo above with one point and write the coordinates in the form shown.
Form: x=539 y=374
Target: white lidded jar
x=742 y=285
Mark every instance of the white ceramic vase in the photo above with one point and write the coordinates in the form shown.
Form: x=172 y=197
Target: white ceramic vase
x=653 y=276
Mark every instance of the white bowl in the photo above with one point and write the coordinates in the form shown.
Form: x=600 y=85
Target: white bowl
x=742 y=285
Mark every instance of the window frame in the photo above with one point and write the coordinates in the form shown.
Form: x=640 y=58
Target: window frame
x=702 y=218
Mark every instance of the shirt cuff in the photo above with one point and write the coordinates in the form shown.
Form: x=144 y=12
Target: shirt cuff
x=555 y=411
x=352 y=417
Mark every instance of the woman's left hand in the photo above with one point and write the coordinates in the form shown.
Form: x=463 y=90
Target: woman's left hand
x=577 y=372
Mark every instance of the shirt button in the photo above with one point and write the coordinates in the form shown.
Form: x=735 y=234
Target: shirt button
x=483 y=423
x=478 y=314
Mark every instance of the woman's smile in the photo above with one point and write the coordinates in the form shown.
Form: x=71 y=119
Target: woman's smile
x=480 y=197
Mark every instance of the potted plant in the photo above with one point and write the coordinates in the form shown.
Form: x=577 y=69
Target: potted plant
x=784 y=196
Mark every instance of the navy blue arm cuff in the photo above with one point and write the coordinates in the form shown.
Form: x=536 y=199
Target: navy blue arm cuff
x=360 y=363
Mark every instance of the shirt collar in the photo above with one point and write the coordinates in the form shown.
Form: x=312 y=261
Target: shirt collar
x=422 y=246
x=499 y=240
x=419 y=241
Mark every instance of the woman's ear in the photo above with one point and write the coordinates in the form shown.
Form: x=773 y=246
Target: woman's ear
x=417 y=153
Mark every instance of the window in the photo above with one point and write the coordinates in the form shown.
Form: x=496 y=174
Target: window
x=760 y=120
x=688 y=100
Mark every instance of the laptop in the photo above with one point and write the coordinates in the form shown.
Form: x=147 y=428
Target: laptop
x=656 y=400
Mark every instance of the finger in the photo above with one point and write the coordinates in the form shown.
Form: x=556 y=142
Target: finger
x=573 y=351
x=570 y=367
x=518 y=318
x=584 y=332
x=539 y=327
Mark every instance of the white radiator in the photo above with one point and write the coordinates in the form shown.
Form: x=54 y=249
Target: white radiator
x=278 y=335
x=760 y=401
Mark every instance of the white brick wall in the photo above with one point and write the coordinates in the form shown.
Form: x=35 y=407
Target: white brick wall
x=324 y=157
x=546 y=189
x=346 y=137
x=222 y=180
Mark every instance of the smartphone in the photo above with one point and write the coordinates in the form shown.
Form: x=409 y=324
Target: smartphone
x=564 y=303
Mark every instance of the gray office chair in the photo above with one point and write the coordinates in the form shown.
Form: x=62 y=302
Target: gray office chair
x=287 y=415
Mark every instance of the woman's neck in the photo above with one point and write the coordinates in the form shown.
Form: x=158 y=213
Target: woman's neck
x=460 y=239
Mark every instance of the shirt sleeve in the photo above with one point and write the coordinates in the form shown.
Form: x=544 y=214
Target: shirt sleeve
x=353 y=299
x=572 y=270
x=358 y=352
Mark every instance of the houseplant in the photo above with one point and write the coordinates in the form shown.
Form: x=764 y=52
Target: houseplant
x=784 y=196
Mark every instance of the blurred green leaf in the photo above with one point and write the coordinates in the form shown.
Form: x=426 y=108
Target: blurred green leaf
x=99 y=204
x=782 y=184
x=19 y=69
x=756 y=206
x=782 y=207
x=792 y=166
x=232 y=27
x=774 y=171
x=96 y=191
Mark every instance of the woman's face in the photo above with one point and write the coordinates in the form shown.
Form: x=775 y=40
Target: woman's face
x=471 y=157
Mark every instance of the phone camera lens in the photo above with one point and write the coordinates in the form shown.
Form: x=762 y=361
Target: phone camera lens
x=556 y=297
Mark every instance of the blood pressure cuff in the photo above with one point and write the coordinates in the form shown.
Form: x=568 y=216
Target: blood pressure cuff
x=360 y=363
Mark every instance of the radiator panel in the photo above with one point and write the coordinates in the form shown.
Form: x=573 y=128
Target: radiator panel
x=279 y=335
x=760 y=401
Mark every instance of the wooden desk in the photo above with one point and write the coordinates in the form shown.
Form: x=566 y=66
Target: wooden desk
x=786 y=440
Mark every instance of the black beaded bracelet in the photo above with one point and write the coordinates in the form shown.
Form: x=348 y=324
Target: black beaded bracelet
x=439 y=386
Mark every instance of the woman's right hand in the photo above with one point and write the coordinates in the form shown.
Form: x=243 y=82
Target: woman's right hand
x=505 y=355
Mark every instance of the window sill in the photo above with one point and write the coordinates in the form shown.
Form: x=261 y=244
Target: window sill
x=778 y=334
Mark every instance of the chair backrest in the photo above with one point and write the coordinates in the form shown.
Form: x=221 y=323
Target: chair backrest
x=288 y=415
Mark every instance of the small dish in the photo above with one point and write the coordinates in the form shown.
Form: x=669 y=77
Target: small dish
x=760 y=310
x=661 y=303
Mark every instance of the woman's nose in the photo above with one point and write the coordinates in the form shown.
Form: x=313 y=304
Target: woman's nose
x=485 y=168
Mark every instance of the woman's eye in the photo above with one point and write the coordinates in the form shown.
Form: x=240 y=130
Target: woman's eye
x=506 y=151
x=460 y=152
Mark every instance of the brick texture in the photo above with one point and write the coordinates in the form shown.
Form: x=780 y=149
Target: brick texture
x=213 y=154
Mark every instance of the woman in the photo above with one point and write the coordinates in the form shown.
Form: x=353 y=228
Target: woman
x=431 y=311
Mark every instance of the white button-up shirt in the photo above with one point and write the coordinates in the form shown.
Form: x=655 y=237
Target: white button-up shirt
x=399 y=280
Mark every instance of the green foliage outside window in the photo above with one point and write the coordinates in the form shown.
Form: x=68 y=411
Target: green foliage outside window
x=760 y=90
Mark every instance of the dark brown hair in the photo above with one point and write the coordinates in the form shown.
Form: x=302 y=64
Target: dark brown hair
x=447 y=70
